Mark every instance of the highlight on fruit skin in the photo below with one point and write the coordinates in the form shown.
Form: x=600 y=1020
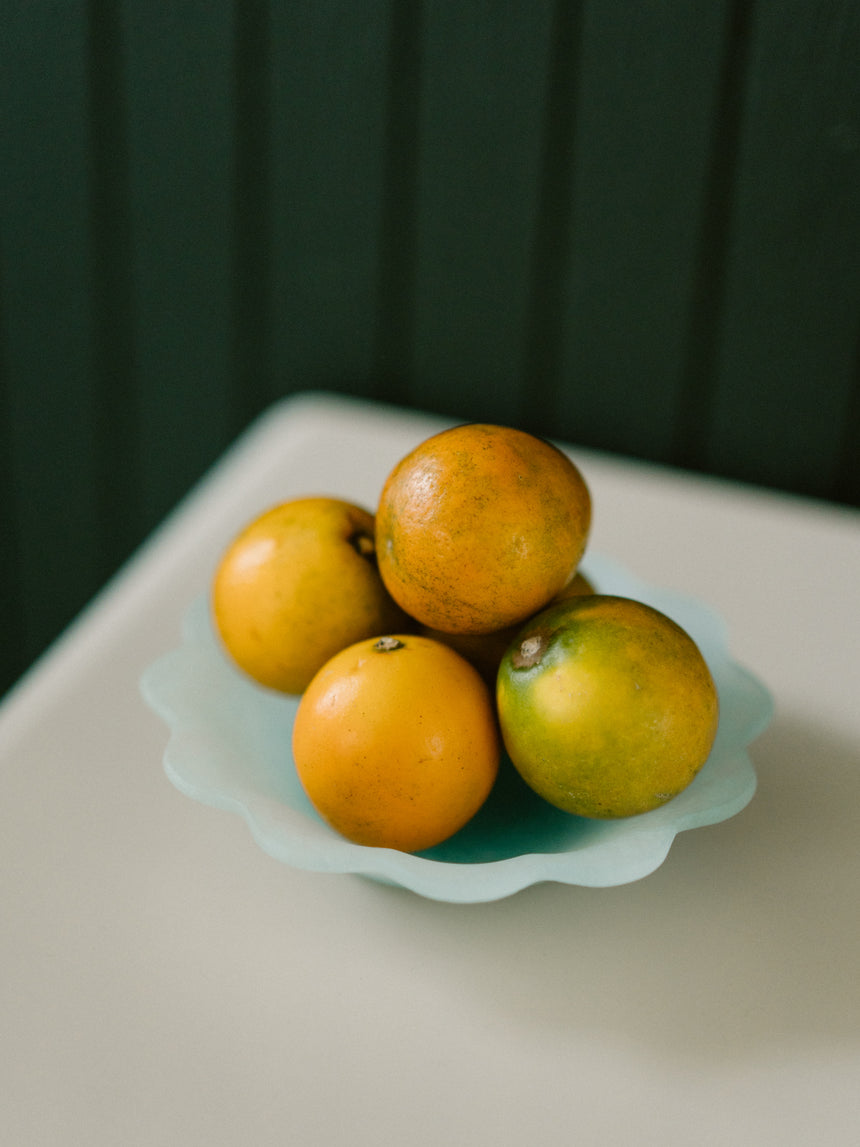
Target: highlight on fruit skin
x=395 y=742
x=479 y=527
x=607 y=707
x=296 y=585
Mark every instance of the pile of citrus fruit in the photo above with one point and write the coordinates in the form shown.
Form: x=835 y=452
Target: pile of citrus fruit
x=452 y=622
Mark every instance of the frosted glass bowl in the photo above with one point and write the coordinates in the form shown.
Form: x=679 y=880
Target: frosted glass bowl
x=229 y=746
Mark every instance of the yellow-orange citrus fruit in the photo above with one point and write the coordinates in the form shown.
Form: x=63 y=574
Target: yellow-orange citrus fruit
x=479 y=527
x=578 y=586
x=483 y=650
x=396 y=742
x=607 y=707
x=297 y=585
x=486 y=650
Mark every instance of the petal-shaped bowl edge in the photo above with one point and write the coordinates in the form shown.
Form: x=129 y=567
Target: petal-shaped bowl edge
x=229 y=747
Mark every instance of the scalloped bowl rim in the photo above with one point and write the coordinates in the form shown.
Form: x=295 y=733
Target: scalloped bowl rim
x=229 y=748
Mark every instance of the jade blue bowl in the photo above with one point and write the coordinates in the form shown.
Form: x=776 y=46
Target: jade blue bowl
x=229 y=746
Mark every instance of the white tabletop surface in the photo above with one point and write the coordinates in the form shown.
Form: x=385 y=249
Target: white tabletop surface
x=164 y=981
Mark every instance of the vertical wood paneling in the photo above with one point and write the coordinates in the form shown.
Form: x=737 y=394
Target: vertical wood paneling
x=648 y=82
x=394 y=321
x=47 y=322
x=708 y=289
x=542 y=374
x=11 y=592
x=329 y=76
x=483 y=91
x=118 y=487
x=178 y=92
x=632 y=226
x=786 y=365
x=846 y=487
x=252 y=236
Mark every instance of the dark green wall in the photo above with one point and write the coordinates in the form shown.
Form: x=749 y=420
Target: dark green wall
x=629 y=225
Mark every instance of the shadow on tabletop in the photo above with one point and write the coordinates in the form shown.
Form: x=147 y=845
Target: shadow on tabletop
x=746 y=937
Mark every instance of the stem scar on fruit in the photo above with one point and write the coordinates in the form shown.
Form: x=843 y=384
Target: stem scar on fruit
x=363 y=544
x=530 y=651
x=387 y=644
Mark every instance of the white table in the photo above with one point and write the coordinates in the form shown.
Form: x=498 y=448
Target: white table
x=164 y=982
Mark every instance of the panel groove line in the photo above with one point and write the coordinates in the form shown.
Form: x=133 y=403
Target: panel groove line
x=846 y=485
x=12 y=659
x=117 y=422
x=252 y=209
x=543 y=348
x=394 y=333
x=695 y=403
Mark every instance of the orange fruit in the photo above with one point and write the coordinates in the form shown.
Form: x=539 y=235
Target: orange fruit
x=479 y=527
x=607 y=707
x=297 y=584
x=578 y=586
x=482 y=650
x=395 y=742
x=486 y=650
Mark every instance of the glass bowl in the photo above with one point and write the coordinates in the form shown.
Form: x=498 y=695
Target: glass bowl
x=229 y=747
